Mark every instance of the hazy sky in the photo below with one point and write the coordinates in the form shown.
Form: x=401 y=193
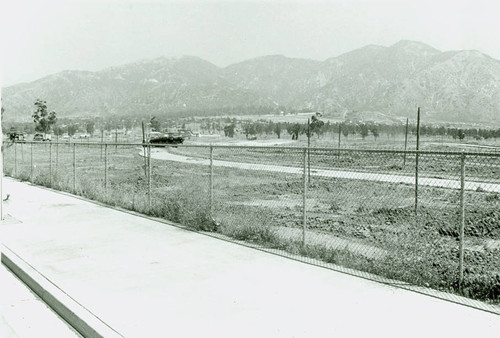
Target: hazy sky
x=43 y=37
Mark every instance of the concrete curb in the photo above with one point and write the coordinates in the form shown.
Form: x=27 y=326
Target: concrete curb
x=81 y=319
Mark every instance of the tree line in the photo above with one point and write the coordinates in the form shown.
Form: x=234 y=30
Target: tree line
x=320 y=128
x=45 y=122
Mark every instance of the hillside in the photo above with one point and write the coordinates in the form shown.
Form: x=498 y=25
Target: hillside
x=275 y=77
x=146 y=87
x=460 y=86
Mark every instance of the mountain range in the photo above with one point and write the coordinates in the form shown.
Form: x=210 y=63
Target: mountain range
x=458 y=86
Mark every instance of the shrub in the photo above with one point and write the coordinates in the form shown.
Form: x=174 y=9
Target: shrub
x=247 y=225
x=186 y=206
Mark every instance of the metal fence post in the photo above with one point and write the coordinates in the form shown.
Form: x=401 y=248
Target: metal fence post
x=15 y=158
x=149 y=176
x=211 y=179
x=416 y=181
x=144 y=149
x=1 y=177
x=340 y=133
x=462 y=222
x=57 y=155
x=106 y=171
x=304 y=192
x=74 y=168
x=50 y=164
x=406 y=143
x=31 y=163
x=145 y=160
x=102 y=140
x=309 y=151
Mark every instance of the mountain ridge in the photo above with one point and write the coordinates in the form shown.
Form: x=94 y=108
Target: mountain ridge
x=449 y=85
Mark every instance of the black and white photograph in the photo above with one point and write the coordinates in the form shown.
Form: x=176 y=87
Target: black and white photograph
x=250 y=168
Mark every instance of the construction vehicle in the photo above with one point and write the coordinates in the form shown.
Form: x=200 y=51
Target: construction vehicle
x=168 y=138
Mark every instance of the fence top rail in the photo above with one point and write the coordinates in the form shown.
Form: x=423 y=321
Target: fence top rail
x=297 y=148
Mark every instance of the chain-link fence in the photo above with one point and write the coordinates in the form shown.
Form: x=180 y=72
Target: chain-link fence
x=428 y=221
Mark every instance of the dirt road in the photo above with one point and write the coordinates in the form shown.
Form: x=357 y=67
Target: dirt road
x=163 y=154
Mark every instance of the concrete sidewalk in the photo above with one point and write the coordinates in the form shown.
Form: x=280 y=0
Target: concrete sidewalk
x=142 y=278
